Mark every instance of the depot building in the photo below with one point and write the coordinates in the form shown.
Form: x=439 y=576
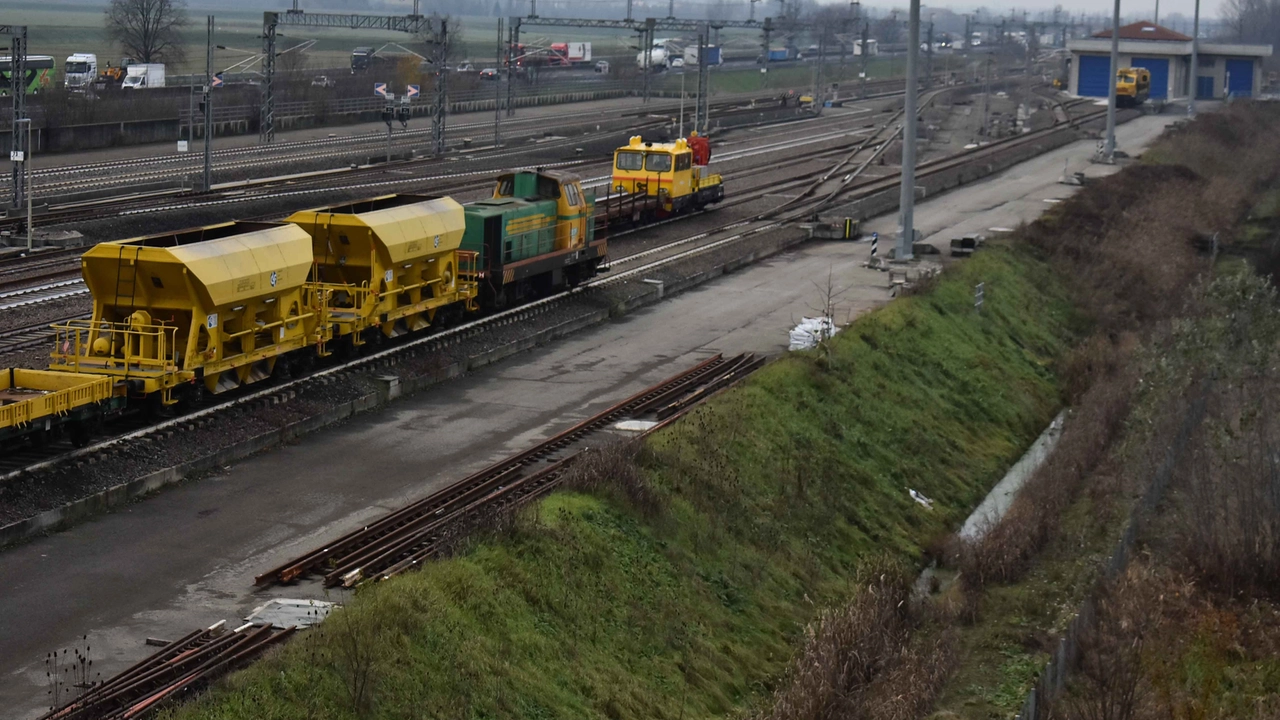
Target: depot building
x=1223 y=68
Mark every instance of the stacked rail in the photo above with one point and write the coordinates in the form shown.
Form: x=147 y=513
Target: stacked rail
x=406 y=537
x=179 y=668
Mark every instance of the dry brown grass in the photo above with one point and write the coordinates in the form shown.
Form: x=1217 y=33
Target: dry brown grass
x=1229 y=533
x=862 y=661
x=1006 y=549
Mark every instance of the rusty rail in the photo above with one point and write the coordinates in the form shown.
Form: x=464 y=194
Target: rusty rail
x=183 y=666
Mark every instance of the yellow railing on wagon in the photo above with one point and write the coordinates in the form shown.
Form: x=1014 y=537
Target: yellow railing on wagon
x=51 y=393
x=124 y=347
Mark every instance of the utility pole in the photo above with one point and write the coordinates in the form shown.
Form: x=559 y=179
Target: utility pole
x=207 y=184
x=1195 y=63
x=928 y=71
x=704 y=81
x=513 y=48
x=441 y=81
x=1026 y=91
x=906 y=203
x=18 y=149
x=968 y=32
x=986 y=97
x=819 y=94
x=497 y=90
x=866 y=53
x=26 y=164
x=648 y=55
x=1109 y=149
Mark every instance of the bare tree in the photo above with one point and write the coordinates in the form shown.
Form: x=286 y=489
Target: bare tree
x=148 y=30
x=888 y=30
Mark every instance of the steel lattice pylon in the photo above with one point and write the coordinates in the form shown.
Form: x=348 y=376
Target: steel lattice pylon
x=18 y=87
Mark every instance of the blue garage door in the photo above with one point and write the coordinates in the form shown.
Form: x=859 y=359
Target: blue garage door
x=1095 y=76
x=1204 y=87
x=1159 y=69
x=1240 y=77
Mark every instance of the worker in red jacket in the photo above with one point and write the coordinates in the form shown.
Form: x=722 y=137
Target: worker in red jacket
x=701 y=148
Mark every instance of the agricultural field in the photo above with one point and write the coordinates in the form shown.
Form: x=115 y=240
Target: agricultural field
x=62 y=29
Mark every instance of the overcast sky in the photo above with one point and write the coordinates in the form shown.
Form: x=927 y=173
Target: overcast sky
x=1145 y=9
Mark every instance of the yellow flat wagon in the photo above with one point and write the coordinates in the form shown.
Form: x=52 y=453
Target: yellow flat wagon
x=42 y=401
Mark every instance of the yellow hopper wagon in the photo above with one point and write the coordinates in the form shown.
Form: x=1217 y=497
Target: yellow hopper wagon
x=210 y=308
x=391 y=263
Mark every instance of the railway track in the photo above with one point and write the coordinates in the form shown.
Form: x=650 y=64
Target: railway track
x=18 y=272
x=406 y=537
x=154 y=200
x=46 y=292
x=128 y=175
x=22 y=338
x=179 y=669
x=624 y=268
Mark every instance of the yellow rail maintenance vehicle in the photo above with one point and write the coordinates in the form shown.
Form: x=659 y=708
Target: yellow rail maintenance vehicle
x=210 y=308
x=660 y=179
x=390 y=263
x=1133 y=87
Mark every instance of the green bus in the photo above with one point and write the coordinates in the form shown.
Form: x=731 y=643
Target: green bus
x=39 y=73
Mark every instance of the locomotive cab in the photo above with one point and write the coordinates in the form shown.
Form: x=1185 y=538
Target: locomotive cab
x=574 y=209
x=1133 y=86
x=534 y=235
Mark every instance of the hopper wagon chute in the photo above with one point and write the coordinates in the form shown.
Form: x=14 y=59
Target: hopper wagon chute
x=207 y=308
x=391 y=263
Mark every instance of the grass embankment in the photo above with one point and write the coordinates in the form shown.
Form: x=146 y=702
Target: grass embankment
x=679 y=587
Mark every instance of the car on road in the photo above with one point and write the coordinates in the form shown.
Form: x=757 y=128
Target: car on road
x=489 y=74
x=465 y=67
x=677 y=62
x=323 y=81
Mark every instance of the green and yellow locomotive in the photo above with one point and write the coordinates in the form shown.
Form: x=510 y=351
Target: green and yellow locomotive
x=536 y=234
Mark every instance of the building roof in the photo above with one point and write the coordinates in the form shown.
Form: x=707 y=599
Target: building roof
x=1144 y=30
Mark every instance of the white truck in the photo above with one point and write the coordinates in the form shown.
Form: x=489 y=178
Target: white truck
x=145 y=75
x=82 y=71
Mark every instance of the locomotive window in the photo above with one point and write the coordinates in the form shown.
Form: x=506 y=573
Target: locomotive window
x=571 y=192
x=548 y=188
x=505 y=187
x=630 y=161
x=658 y=163
x=684 y=161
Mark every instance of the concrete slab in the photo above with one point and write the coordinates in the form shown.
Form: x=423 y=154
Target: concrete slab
x=187 y=557
x=1019 y=194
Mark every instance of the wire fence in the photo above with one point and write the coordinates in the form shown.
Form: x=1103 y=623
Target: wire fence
x=1053 y=678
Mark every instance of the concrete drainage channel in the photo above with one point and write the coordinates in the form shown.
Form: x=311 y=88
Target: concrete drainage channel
x=390 y=385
